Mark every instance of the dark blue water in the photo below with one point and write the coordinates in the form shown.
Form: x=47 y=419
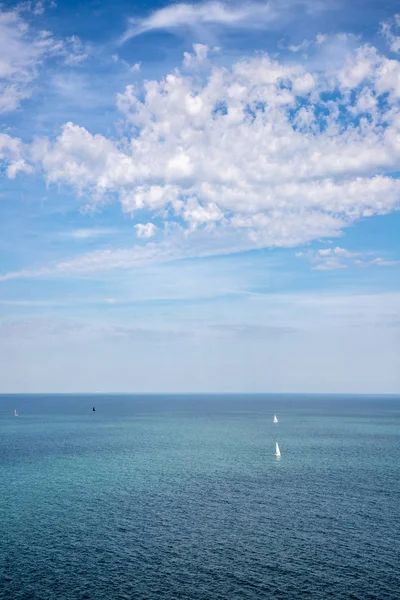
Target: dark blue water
x=182 y=497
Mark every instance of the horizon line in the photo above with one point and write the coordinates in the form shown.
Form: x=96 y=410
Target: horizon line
x=395 y=394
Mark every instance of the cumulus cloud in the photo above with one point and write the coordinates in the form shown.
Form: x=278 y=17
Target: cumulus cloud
x=145 y=230
x=11 y=154
x=238 y=146
x=391 y=31
x=197 y=57
x=263 y=154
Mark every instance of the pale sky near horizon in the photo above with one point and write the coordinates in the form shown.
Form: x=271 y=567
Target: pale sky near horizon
x=200 y=197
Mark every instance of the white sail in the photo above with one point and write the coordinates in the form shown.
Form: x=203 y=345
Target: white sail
x=275 y=419
x=15 y=413
x=277 y=451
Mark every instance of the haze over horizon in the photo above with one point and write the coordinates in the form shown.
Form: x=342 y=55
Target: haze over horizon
x=200 y=197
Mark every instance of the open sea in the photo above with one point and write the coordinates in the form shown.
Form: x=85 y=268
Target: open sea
x=181 y=497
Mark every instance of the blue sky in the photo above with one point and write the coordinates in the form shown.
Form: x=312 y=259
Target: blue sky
x=200 y=197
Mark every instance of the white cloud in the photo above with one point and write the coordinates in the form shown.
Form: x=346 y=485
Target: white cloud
x=330 y=259
x=11 y=151
x=199 y=55
x=206 y=13
x=86 y=234
x=378 y=261
x=387 y=29
x=145 y=230
x=373 y=71
x=212 y=13
x=305 y=44
x=263 y=154
x=75 y=51
x=247 y=159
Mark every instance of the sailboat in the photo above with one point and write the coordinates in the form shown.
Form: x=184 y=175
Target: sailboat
x=277 y=451
x=15 y=413
x=275 y=419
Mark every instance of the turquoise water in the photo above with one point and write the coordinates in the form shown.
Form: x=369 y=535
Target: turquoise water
x=182 y=497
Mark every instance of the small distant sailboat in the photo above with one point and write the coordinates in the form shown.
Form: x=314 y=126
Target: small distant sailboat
x=277 y=451
x=93 y=409
x=275 y=419
x=15 y=413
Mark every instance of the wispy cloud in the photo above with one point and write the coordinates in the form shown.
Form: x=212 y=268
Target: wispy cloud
x=37 y=7
x=191 y=15
x=240 y=15
x=330 y=259
x=305 y=44
x=100 y=260
x=87 y=233
x=23 y=50
x=34 y=329
x=254 y=331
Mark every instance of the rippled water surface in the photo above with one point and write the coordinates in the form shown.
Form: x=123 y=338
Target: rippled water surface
x=183 y=498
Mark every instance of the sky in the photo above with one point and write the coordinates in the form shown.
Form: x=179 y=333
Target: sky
x=200 y=197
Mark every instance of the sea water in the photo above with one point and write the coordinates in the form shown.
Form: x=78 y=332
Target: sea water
x=181 y=497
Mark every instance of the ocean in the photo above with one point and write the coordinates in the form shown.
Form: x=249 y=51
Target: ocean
x=181 y=497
